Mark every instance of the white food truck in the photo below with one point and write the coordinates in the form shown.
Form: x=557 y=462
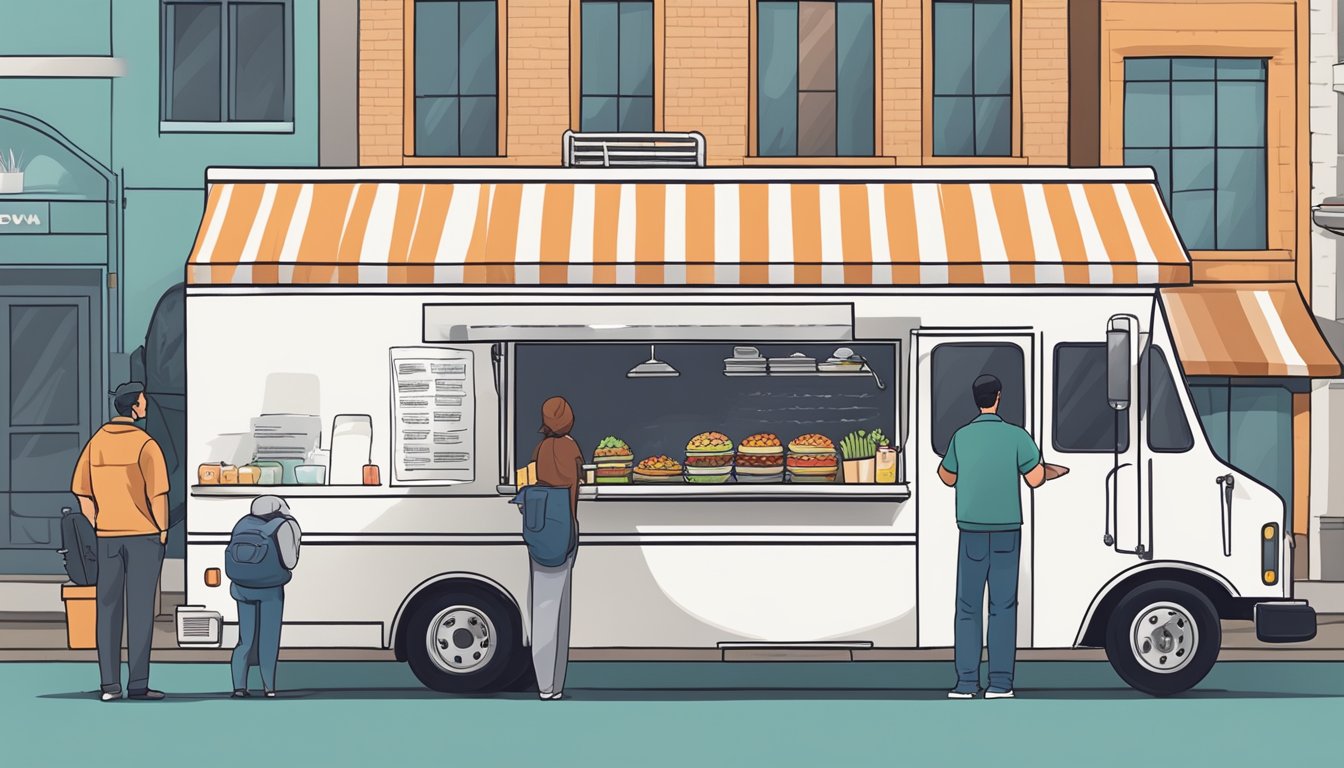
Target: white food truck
x=413 y=320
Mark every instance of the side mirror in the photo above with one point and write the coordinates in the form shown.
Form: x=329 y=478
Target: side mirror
x=1117 y=368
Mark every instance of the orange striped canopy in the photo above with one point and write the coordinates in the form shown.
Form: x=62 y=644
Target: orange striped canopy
x=1247 y=329
x=739 y=227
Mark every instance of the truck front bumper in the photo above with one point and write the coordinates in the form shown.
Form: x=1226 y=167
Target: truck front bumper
x=1287 y=621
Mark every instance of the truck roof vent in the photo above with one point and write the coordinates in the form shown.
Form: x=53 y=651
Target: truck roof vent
x=634 y=150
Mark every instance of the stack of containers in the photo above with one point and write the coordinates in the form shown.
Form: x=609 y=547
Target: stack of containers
x=709 y=458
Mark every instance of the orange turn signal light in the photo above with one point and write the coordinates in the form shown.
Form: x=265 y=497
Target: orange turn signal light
x=1271 y=577
x=212 y=577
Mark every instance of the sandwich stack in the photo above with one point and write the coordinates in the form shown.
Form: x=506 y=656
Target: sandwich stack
x=811 y=459
x=612 y=458
x=760 y=459
x=658 y=469
x=709 y=458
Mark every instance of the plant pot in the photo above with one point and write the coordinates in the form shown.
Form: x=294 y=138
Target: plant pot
x=11 y=183
x=860 y=470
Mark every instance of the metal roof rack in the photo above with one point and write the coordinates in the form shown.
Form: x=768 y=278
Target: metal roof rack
x=634 y=150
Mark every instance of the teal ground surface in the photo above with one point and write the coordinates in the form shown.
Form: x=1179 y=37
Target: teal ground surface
x=677 y=714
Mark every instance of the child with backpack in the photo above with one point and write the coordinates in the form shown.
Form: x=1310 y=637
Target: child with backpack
x=263 y=550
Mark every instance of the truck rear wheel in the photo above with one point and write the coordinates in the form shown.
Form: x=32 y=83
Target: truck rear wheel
x=1163 y=638
x=465 y=642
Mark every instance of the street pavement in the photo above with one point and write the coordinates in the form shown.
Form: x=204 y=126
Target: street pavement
x=677 y=714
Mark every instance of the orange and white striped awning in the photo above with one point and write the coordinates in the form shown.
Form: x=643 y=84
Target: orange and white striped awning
x=1247 y=329
x=735 y=227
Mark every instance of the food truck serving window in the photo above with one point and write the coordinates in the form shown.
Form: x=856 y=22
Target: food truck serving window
x=793 y=390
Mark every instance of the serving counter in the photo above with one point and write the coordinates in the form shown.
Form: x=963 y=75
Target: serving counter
x=633 y=492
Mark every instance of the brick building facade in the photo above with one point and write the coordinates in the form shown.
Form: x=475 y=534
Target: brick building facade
x=1077 y=83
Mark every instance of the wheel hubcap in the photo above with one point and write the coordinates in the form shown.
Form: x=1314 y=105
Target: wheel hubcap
x=461 y=639
x=1163 y=637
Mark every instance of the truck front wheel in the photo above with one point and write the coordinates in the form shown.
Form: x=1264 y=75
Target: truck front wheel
x=465 y=642
x=1163 y=638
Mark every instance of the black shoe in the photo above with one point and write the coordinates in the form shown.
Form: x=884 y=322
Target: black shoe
x=241 y=694
x=147 y=695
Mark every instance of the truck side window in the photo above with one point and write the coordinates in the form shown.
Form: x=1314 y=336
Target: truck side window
x=1084 y=420
x=955 y=366
x=1168 y=429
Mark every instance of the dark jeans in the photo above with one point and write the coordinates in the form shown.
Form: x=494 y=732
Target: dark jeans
x=260 y=613
x=992 y=557
x=128 y=577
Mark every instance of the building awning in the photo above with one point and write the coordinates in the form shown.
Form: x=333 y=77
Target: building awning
x=726 y=227
x=1247 y=329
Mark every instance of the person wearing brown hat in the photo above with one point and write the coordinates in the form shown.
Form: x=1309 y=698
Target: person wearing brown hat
x=559 y=465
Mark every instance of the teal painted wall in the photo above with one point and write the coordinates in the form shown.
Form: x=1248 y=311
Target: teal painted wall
x=58 y=27
x=165 y=172
x=116 y=121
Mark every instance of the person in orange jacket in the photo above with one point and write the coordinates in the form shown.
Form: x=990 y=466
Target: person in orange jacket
x=121 y=481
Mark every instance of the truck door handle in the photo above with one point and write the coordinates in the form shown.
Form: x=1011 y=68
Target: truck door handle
x=1108 y=539
x=1227 y=483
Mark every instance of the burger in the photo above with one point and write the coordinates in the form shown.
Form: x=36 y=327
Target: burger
x=612 y=458
x=709 y=458
x=760 y=458
x=658 y=469
x=812 y=459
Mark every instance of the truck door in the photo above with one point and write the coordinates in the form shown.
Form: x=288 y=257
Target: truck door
x=1094 y=520
x=946 y=365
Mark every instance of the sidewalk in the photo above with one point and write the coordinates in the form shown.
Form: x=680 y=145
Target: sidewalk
x=33 y=640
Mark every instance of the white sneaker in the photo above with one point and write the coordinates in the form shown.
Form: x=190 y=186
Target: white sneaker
x=111 y=696
x=552 y=696
x=960 y=695
x=999 y=694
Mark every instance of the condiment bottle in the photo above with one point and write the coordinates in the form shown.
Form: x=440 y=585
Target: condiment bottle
x=886 y=464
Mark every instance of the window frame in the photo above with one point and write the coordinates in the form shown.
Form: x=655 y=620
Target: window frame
x=618 y=96
x=935 y=390
x=577 y=63
x=408 y=152
x=1116 y=446
x=1015 y=156
x=227 y=81
x=754 y=156
x=1169 y=196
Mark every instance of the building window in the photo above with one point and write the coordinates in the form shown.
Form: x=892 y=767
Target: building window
x=1201 y=124
x=814 y=82
x=955 y=367
x=1084 y=420
x=456 y=78
x=225 y=61
x=1250 y=427
x=616 y=83
x=972 y=78
x=1168 y=430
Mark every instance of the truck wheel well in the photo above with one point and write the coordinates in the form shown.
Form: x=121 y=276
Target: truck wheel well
x=454 y=584
x=1227 y=606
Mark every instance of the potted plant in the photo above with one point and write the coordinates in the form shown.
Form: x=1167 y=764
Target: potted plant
x=860 y=457
x=11 y=173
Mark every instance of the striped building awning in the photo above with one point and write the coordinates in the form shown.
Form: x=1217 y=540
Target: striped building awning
x=708 y=227
x=1247 y=329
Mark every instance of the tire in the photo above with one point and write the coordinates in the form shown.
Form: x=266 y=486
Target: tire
x=1152 y=631
x=465 y=641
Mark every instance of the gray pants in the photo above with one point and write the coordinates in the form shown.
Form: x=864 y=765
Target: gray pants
x=128 y=577
x=550 y=624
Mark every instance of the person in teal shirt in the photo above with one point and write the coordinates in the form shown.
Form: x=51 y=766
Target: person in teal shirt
x=984 y=460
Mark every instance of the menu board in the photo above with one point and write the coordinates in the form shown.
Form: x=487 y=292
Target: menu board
x=433 y=415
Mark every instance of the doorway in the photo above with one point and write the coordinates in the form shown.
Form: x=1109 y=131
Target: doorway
x=50 y=342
